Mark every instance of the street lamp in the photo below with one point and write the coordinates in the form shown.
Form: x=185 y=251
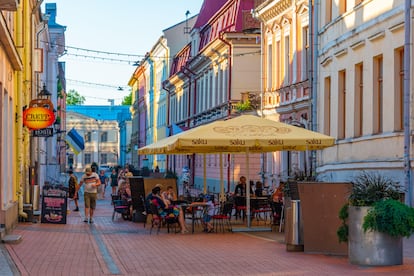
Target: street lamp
x=44 y=93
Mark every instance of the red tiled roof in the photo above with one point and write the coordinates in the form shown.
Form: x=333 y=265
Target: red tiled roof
x=208 y=9
x=180 y=59
x=229 y=18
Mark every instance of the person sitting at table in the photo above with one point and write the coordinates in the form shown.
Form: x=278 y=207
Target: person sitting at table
x=241 y=187
x=277 y=203
x=251 y=187
x=165 y=209
x=124 y=193
x=208 y=214
x=259 y=189
x=168 y=195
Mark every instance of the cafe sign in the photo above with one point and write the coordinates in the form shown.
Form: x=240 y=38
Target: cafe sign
x=39 y=115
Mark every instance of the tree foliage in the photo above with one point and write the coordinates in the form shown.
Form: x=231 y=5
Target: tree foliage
x=127 y=99
x=74 y=98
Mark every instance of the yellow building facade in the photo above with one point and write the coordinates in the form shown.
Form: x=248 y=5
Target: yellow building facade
x=18 y=23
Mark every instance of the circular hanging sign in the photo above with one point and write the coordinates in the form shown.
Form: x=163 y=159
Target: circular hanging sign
x=38 y=117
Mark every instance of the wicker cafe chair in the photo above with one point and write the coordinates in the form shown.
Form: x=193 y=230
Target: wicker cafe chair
x=120 y=207
x=147 y=211
x=223 y=217
x=170 y=220
x=156 y=219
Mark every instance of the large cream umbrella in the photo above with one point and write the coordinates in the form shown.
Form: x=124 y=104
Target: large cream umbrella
x=240 y=134
x=243 y=134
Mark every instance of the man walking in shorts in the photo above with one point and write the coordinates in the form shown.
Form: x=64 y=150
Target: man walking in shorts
x=92 y=182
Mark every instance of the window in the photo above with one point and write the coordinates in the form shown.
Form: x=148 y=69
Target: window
x=306 y=52
x=399 y=89
x=328 y=11
x=358 y=101
x=341 y=103
x=104 y=158
x=88 y=159
x=342 y=6
x=287 y=61
x=269 y=67
x=88 y=136
x=104 y=136
x=377 y=95
x=327 y=106
x=277 y=65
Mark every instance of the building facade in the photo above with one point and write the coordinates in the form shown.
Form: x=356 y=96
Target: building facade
x=360 y=91
x=209 y=79
x=30 y=45
x=106 y=131
x=286 y=87
x=150 y=100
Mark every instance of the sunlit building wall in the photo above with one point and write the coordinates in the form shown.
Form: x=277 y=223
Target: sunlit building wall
x=286 y=57
x=360 y=87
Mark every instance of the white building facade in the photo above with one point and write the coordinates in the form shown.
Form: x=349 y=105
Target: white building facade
x=360 y=87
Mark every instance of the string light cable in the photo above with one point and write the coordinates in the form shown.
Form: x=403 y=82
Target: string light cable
x=86 y=83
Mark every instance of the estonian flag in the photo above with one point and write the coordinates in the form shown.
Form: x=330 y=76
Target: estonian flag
x=75 y=141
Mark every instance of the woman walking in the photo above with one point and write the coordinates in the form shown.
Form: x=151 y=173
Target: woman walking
x=114 y=181
x=73 y=189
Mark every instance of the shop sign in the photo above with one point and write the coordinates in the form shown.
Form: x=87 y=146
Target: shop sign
x=38 y=117
x=44 y=132
x=54 y=204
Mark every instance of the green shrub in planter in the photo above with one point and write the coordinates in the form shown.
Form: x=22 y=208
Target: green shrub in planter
x=390 y=216
x=368 y=188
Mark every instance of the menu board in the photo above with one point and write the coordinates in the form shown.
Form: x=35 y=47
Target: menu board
x=54 y=205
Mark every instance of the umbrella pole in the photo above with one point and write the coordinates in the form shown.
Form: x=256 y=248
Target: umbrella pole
x=205 y=174
x=248 y=189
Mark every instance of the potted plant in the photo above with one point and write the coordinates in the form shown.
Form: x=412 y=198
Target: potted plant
x=374 y=221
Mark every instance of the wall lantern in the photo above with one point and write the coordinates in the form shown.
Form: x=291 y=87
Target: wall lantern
x=44 y=93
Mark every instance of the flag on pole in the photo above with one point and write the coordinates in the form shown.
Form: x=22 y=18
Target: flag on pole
x=75 y=141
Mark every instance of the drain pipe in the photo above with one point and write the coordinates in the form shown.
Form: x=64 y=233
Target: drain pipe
x=314 y=74
x=407 y=102
x=189 y=112
x=230 y=55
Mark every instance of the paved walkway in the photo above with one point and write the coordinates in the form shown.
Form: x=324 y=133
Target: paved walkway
x=126 y=248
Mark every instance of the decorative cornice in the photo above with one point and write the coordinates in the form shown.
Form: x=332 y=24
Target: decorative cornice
x=275 y=10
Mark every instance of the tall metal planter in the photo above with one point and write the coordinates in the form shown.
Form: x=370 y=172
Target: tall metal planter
x=371 y=248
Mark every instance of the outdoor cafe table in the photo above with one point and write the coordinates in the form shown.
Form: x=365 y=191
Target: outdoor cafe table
x=194 y=207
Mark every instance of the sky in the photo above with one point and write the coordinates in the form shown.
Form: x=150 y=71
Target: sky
x=113 y=26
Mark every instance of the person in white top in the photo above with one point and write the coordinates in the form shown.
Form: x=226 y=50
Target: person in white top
x=92 y=182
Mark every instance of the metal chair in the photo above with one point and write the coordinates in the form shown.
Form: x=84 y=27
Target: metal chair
x=261 y=207
x=240 y=206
